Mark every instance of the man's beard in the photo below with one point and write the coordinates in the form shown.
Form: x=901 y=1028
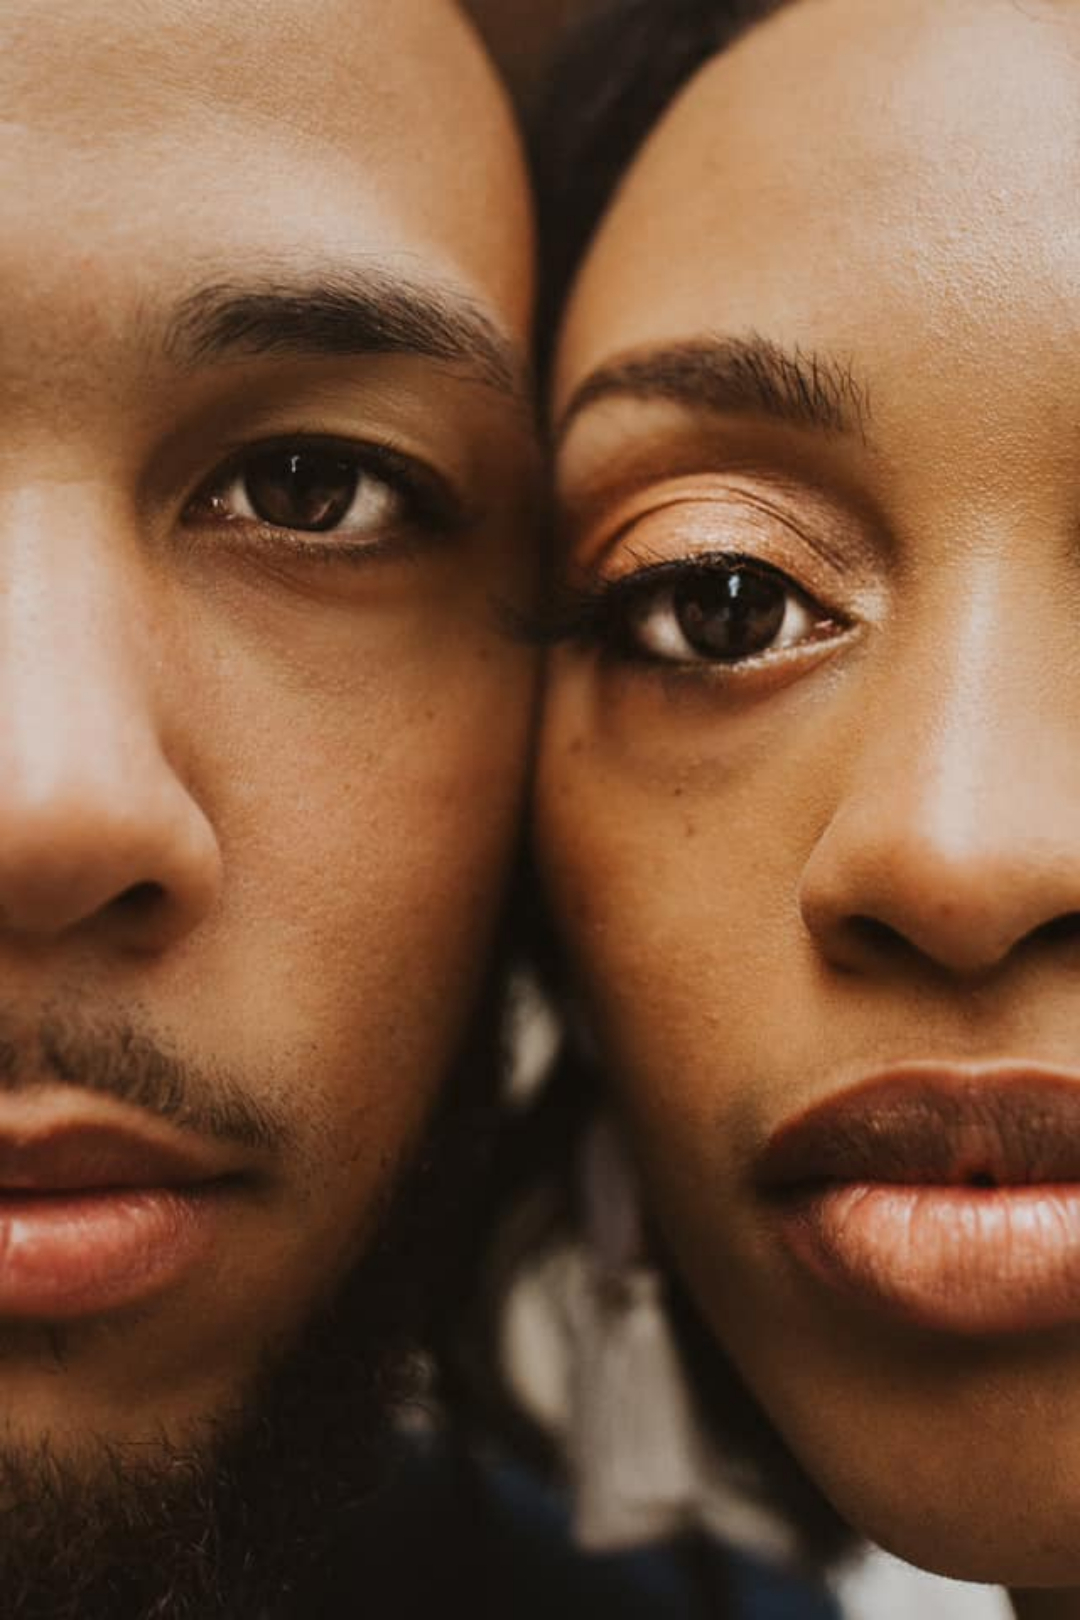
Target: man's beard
x=263 y=1518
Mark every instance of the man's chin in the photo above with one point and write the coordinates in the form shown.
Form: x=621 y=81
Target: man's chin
x=247 y=1507
x=257 y=1512
x=251 y=1513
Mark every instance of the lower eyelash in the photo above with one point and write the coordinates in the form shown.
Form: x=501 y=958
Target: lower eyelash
x=293 y=543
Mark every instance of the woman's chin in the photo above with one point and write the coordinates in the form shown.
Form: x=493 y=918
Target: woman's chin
x=959 y=1457
x=972 y=1553
x=966 y=1536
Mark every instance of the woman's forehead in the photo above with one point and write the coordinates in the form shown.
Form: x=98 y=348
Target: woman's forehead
x=836 y=149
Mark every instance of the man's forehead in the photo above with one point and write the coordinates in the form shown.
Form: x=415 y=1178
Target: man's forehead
x=136 y=113
x=318 y=65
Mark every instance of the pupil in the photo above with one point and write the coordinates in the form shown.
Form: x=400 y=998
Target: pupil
x=301 y=490
x=731 y=615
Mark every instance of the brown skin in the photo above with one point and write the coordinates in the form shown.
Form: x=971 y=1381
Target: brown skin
x=893 y=186
x=316 y=759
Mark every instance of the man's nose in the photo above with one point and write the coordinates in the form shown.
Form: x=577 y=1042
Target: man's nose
x=955 y=839
x=98 y=831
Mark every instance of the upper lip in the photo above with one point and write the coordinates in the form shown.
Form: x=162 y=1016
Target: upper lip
x=95 y=1155
x=933 y=1125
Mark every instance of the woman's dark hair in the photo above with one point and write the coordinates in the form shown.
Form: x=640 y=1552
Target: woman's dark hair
x=610 y=86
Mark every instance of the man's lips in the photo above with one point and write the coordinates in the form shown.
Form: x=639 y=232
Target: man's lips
x=93 y=1155
x=946 y=1197
x=96 y=1215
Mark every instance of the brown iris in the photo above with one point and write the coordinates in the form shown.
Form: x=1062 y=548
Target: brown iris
x=730 y=615
x=307 y=489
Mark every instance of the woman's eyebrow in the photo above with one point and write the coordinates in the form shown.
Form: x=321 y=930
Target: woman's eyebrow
x=354 y=312
x=741 y=375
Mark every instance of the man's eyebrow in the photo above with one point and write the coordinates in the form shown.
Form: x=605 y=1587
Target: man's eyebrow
x=741 y=375
x=346 y=313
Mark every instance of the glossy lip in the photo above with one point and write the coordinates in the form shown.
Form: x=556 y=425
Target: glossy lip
x=944 y=1197
x=95 y=1216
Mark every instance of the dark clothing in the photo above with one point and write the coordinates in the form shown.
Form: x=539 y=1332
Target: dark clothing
x=448 y=1537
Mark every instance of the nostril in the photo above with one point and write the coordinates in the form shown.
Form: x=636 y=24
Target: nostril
x=1063 y=930
x=878 y=936
x=139 y=900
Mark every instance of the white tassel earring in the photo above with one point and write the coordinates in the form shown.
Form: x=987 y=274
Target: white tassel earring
x=591 y=1351
x=632 y=1435
x=643 y=1467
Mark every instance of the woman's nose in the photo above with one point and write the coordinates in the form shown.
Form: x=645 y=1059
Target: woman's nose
x=955 y=839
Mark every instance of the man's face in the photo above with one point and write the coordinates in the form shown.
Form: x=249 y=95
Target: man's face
x=263 y=501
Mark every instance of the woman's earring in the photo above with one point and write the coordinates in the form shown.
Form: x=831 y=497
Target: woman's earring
x=591 y=1352
x=532 y=1036
x=631 y=1432
x=643 y=1468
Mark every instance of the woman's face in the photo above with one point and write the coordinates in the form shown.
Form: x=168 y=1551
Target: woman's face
x=809 y=794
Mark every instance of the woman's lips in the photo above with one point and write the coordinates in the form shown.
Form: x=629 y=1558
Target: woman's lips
x=946 y=1198
x=94 y=1218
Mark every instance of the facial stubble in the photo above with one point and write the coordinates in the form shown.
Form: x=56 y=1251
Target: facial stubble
x=265 y=1515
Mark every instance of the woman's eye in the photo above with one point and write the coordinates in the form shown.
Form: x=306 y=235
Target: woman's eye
x=722 y=616
x=315 y=491
x=716 y=610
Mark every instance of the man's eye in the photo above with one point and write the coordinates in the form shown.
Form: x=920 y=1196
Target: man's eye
x=721 y=615
x=316 y=491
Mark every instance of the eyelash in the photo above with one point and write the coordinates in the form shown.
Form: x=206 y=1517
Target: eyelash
x=603 y=616
x=428 y=504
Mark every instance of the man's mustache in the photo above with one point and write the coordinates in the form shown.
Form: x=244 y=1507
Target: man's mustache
x=113 y=1058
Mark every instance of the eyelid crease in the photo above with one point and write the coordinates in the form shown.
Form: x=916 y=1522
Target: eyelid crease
x=658 y=447
x=646 y=510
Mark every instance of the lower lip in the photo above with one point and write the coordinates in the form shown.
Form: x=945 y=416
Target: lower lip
x=75 y=1254
x=957 y=1260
